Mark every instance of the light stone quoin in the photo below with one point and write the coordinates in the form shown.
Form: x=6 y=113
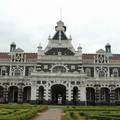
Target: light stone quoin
x=59 y=74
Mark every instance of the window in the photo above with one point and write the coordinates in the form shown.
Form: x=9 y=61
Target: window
x=17 y=72
x=3 y=71
x=59 y=69
x=115 y=72
x=88 y=72
x=30 y=70
x=101 y=74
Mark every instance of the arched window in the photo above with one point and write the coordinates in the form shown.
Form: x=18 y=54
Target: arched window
x=101 y=74
x=17 y=72
x=30 y=70
x=115 y=72
x=59 y=69
x=88 y=72
x=3 y=71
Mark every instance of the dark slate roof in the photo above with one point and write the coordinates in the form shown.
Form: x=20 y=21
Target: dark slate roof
x=63 y=36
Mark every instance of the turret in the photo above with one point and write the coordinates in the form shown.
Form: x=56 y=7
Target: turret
x=79 y=49
x=108 y=49
x=39 y=51
x=39 y=48
x=79 y=52
x=12 y=47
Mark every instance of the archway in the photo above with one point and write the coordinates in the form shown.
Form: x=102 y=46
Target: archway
x=75 y=95
x=90 y=95
x=27 y=94
x=41 y=94
x=117 y=94
x=13 y=94
x=58 y=94
x=105 y=95
x=1 y=94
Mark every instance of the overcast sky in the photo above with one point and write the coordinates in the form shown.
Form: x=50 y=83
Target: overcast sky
x=92 y=23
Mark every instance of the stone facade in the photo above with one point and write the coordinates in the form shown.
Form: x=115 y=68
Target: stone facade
x=59 y=74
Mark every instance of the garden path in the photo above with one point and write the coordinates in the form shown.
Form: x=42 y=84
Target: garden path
x=50 y=114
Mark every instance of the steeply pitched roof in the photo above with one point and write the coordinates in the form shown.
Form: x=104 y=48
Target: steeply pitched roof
x=63 y=36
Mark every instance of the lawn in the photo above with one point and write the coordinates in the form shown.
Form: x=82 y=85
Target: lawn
x=19 y=112
x=92 y=112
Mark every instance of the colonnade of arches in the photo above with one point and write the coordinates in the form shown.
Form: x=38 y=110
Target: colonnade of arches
x=58 y=94
x=104 y=95
x=14 y=95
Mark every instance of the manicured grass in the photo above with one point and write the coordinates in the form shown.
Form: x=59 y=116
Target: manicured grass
x=92 y=112
x=19 y=112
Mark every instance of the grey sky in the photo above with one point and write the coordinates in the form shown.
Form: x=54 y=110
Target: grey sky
x=92 y=23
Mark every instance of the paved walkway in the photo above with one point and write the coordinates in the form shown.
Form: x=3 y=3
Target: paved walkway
x=50 y=114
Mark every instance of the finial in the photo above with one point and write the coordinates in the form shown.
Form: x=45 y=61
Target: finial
x=13 y=43
x=40 y=47
x=61 y=14
x=79 y=47
x=49 y=37
x=70 y=37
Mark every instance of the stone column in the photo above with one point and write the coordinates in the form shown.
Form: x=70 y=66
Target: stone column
x=10 y=72
x=20 y=94
x=24 y=70
x=49 y=94
x=97 y=94
x=69 y=94
x=108 y=72
x=5 y=94
x=79 y=94
x=37 y=94
x=95 y=73
x=112 y=94
x=46 y=93
x=33 y=93
x=82 y=94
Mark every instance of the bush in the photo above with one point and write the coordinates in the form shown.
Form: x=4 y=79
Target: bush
x=19 y=112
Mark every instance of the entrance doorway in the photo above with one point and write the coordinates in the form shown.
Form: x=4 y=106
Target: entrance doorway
x=13 y=94
x=27 y=94
x=75 y=95
x=58 y=94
